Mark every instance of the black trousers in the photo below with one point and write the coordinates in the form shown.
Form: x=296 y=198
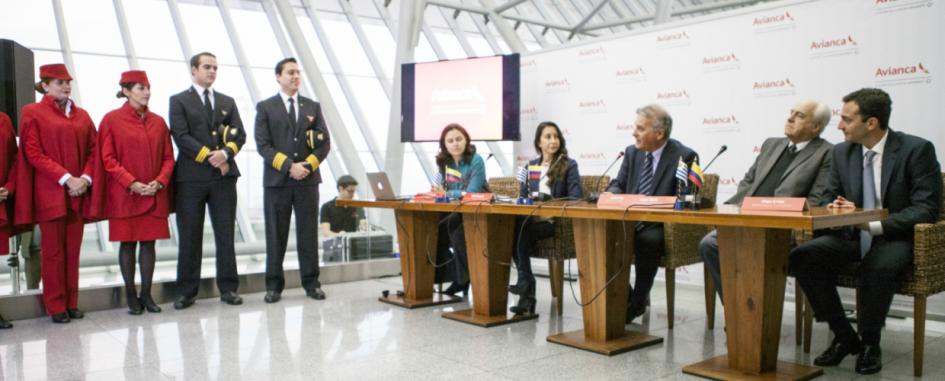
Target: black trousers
x=816 y=264
x=192 y=199
x=452 y=224
x=532 y=230
x=648 y=251
x=280 y=202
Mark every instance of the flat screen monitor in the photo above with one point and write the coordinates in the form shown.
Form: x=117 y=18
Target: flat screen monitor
x=480 y=94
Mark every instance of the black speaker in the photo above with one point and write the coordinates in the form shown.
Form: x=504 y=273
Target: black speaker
x=16 y=79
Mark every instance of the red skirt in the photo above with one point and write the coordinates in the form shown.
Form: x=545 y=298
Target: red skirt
x=138 y=228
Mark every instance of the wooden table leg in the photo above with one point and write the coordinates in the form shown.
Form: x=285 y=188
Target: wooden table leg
x=417 y=234
x=754 y=267
x=604 y=252
x=489 y=251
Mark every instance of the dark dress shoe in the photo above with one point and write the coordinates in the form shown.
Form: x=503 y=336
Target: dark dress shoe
x=870 y=360
x=634 y=311
x=183 y=302
x=316 y=294
x=837 y=351
x=231 y=298
x=273 y=296
x=456 y=288
x=519 y=288
x=61 y=318
x=4 y=324
x=150 y=305
x=75 y=314
x=526 y=306
x=135 y=307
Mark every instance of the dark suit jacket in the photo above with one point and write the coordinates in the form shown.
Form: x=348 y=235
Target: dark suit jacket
x=664 y=183
x=911 y=185
x=570 y=186
x=196 y=135
x=806 y=176
x=280 y=145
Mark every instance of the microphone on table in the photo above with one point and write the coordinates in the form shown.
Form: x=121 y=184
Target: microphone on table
x=721 y=149
x=593 y=196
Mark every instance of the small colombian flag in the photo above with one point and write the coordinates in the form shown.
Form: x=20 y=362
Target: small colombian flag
x=695 y=175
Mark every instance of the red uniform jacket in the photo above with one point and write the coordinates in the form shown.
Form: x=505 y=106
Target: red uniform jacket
x=131 y=148
x=51 y=146
x=7 y=159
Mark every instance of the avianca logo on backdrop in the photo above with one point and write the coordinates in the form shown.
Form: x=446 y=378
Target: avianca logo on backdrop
x=719 y=120
x=669 y=37
x=887 y=6
x=672 y=95
x=528 y=113
x=775 y=84
x=833 y=43
x=594 y=53
x=528 y=64
x=630 y=72
x=773 y=19
x=891 y=71
x=624 y=127
x=557 y=85
x=715 y=60
x=594 y=106
x=727 y=181
x=591 y=156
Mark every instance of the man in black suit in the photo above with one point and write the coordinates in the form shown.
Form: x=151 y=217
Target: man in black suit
x=648 y=168
x=208 y=131
x=875 y=167
x=292 y=138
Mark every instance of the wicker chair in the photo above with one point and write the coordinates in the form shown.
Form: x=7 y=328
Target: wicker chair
x=927 y=278
x=681 y=245
x=561 y=246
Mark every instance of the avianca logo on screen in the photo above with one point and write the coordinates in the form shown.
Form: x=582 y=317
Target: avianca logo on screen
x=456 y=95
x=773 y=19
x=670 y=37
x=672 y=95
x=890 y=71
x=771 y=85
x=715 y=60
x=833 y=43
x=719 y=120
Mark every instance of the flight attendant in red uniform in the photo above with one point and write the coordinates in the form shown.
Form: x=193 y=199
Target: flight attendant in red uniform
x=7 y=158
x=135 y=164
x=57 y=142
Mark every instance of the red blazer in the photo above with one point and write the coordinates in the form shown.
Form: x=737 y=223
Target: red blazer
x=132 y=148
x=7 y=159
x=51 y=146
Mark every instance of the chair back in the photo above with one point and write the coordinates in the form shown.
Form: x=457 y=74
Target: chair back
x=507 y=186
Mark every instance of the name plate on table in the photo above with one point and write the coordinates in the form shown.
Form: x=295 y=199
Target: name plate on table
x=477 y=197
x=425 y=198
x=624 y=201
x=778 y=204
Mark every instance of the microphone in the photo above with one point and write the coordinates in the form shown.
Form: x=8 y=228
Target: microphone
x=722 y=149
x=593 y=196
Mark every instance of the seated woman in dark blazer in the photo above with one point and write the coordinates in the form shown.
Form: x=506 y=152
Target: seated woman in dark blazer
x=559 y=179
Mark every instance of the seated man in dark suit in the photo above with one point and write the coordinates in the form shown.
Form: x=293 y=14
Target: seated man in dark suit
x=796 y=165
x=875 y=167
x=648 y=167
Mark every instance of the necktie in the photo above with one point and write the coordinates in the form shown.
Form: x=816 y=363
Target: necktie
x=792 y=149
x=207 y=106
x=645 y=186
x=292 y=118
x=869 y=199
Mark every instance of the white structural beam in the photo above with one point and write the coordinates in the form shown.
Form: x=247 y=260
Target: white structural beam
x=409 y=24
x=126 y=34
x=589 y=15
x=341 y=141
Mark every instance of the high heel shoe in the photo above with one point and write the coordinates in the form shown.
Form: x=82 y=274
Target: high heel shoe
x=456 y=288
x=134 y=306
x=149 y=305
x=526 y=306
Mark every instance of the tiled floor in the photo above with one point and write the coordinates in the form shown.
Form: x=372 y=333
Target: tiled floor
x=351 y=336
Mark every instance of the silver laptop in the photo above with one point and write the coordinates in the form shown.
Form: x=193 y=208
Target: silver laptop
x=381 y=187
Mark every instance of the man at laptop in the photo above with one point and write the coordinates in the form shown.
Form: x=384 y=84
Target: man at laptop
x=336 y=219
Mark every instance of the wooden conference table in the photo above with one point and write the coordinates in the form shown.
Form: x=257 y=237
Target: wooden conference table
x=753 y=247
